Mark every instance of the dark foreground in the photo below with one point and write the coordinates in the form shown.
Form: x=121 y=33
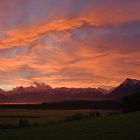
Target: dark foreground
x=117 y=127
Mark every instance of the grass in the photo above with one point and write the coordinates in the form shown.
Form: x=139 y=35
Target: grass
x=12 y=116
x=118 y=127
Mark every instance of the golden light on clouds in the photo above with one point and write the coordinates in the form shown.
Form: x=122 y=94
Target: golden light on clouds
x=75 y=44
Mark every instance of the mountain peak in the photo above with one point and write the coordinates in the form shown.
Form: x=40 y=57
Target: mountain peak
x=130 y=82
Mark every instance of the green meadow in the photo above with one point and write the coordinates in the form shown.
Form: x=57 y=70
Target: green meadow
x=107 y=127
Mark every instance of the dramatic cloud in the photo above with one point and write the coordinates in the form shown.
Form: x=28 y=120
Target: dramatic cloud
x=75 y=43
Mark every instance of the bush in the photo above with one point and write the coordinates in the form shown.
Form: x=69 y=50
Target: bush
x=23 y=123
x=97 y=114
x=36 y=124
x=76 y=116
x=7 y=126
x=94 y=114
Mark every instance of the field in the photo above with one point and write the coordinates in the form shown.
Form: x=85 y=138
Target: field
x=113 y=127
x=42 y=117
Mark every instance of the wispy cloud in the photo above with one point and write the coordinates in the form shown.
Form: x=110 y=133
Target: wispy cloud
x=69 y=43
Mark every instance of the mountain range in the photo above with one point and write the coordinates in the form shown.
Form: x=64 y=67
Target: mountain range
x=44 y=93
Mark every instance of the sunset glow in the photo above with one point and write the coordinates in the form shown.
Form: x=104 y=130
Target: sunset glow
x=72 y=43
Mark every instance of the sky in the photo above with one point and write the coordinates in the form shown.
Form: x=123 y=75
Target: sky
x=72 y=43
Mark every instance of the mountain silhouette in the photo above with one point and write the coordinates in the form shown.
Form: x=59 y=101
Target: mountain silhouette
x=3 y=97
x=127 y=88
x=40 y=92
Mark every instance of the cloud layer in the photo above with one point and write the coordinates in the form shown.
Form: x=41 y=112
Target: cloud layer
x=69 y=43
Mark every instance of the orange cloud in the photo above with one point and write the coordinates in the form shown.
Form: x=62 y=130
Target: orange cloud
x=25 y=36
x=96 y=47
